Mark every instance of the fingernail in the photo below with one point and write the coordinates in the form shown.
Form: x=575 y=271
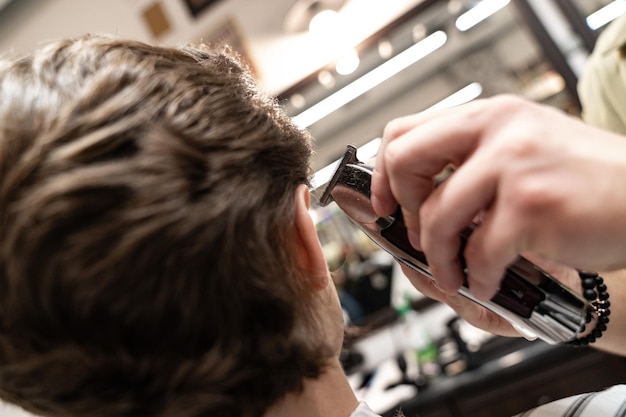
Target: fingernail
x=481 y=292
x=376 y=204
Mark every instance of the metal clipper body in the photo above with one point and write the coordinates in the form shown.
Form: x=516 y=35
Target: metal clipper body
x=528 y=297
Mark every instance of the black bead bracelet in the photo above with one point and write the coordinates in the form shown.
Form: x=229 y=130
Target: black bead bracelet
x=594 y=291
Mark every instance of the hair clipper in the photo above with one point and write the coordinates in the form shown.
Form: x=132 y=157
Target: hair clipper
x=529 y=298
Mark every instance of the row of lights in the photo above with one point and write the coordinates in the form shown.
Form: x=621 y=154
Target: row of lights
x=424 y=46
x=349 y=63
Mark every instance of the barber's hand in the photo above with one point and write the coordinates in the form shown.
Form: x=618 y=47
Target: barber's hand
x=473 y=313
x=477 y=315
x=538 y=180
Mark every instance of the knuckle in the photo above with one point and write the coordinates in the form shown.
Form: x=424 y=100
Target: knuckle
x=428 y=217
x=502 y=107
x=521 y=148
x=458 y=303
x=395 y=158
x=531 y=197
x=508 y=102
x=393 y=128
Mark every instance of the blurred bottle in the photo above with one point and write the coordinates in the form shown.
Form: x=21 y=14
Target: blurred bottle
x=419 y=342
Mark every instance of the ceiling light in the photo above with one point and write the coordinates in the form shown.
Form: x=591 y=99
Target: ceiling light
x=478 y=13
x=455 y=6
x=301 y=14
x=606 y=14
x=348 y=64
x=418 y=32
x=297 y=100
x=324 y=22
x=326 y=79
x=385 y=49
x=370 y=80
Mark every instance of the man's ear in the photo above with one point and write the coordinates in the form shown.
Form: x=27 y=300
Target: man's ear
x=310 y=254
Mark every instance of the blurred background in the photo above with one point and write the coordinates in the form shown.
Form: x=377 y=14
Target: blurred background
x=343 y=69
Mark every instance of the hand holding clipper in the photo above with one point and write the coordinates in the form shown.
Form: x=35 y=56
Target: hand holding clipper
x=529 y=298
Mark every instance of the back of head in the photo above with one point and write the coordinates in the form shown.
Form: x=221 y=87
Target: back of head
x=146 y=210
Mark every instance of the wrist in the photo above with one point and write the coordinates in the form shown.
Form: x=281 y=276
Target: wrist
x=596 y=293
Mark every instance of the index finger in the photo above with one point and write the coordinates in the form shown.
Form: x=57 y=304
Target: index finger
x=415 y=149
x=383 y=201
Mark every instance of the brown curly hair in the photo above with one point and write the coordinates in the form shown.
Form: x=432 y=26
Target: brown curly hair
x=146 y=215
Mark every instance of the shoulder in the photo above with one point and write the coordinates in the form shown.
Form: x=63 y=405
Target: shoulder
x=602 y=84
x=610 y=402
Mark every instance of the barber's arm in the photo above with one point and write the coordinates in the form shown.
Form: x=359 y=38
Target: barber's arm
x=538 y=181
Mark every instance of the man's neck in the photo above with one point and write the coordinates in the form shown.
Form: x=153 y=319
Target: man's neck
x=330 y=395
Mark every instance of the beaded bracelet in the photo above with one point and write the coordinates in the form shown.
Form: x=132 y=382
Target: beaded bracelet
x=594 y=291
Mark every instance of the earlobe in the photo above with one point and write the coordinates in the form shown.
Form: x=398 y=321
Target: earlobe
x=310 y=254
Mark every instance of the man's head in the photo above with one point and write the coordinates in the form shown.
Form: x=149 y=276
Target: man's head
x=149 y=262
